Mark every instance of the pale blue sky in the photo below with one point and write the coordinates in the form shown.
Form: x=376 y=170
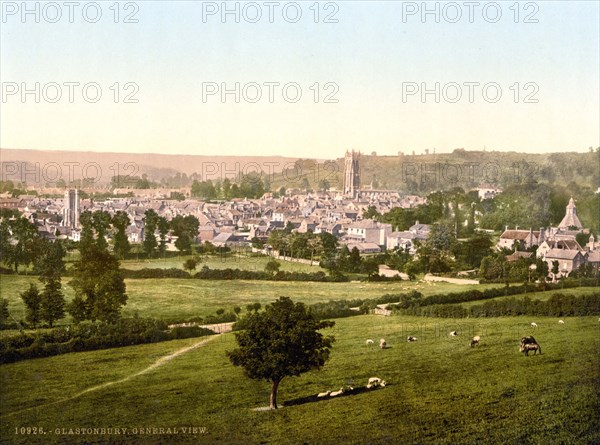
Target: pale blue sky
x=369 y=54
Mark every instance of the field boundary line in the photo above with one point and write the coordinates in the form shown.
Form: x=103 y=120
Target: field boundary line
x=158 y=363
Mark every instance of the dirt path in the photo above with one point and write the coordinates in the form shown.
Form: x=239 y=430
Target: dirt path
x=430 y=277
x=158 y=363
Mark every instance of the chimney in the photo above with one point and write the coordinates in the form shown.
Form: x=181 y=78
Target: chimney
x=516 y=227
x=505 y=228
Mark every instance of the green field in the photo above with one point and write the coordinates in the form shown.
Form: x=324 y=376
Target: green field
x=440 y=390
x=181 y=299
x=234 y=261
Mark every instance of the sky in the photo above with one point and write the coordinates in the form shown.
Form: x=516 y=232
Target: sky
x=300 y=79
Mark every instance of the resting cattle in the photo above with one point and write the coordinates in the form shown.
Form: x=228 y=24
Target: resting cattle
x=411 y=338
x=534 y=325
x=561 y=322
x=369 y=342
x=324 y=394
x=475 y=340
x=453 y=334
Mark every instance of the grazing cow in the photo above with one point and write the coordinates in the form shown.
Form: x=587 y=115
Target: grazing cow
x=411 y=338
x=336 y=393
x=534 y=325
x=475 y=340
x=561 y=322
x=525 y=348
x=528 y=340
x=382 y=343
x=324 y=394
x=370 y=342
x=453 y=334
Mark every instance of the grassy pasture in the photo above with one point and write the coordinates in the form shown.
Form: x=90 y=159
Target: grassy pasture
x=180 y=299
x=440 y=390
x=233 y=261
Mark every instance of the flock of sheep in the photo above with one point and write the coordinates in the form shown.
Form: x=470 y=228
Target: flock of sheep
x=374 y=382
x=527 y=345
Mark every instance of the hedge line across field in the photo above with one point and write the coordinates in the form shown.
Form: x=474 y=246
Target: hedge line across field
x=233 y=274
x=90 y=336
x=558 y=305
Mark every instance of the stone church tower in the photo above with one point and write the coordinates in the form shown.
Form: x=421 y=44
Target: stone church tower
x=351 y=173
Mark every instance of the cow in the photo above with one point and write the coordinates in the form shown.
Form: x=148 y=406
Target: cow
x=411 y=339
x=525 y=348
x=475 y=340
x=528 y=343
x=453 y=334
x=369 y=342
x=382 y=343
x=534 y=325
x=561 y=322
x=528 y=340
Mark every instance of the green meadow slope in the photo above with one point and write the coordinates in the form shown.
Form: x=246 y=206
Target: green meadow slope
x=440 y=390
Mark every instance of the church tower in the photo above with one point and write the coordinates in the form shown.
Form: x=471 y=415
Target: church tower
x=570 y=219
x=71 y=209
x=351 y=173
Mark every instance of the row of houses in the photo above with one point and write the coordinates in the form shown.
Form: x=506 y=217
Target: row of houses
x=554 y=244
x=240 y=220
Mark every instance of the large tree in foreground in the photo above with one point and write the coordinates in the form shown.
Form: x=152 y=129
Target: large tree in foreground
x=282 y=341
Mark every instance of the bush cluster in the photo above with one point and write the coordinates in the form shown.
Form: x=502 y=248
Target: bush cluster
x=90 y=336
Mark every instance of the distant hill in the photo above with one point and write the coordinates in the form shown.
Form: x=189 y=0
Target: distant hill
x=419 y=174
x=461 y=168
x=42 y=166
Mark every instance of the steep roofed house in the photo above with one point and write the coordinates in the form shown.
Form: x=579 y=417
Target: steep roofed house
x=364 y=247
x=307 y=225
x=369 y=231
x=516 y=256
x=135 y=233
x=564 y=244
x=524 y=238
x=206 y=232
x=593 y=258
x=332 y=228
x=568 y=260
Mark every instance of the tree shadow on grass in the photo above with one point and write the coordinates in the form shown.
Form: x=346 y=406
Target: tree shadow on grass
x=314 y=398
